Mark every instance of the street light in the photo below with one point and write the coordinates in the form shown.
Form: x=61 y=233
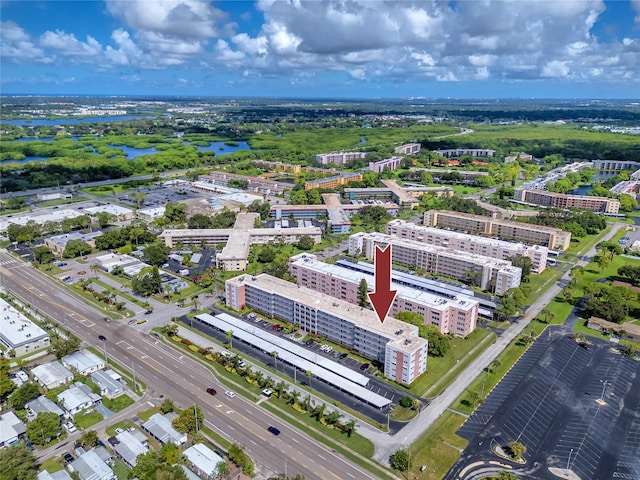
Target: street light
x=103 y=339
x=568 y=462
x=605 y=384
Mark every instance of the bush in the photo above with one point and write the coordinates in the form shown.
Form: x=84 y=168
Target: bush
x=406 y=402
x=186 y=341
x=202 y=351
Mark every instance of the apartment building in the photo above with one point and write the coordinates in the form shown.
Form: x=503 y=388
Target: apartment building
x=488 y=273
x=407 y=149
x=238 y=240
x=470 y=243
x=458 y=152
x=552 y=238
x=394 y=343
x=18 y=333
x=333 y=182
x=256 y=184
x=561 y=200
x=387 y=164
x=339 y=158
x=457 y=316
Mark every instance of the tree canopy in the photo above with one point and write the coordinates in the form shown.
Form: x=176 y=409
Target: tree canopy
x=17 y=463
x=42 y=429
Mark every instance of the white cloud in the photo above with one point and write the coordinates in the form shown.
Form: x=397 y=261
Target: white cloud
x=16 y=44
x=126 y=53
x=636 y=6
x=68 y=45
x=555 y=69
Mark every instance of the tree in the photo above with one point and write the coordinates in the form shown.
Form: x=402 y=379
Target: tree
x=349 y=427
x=305 y=242
x=6 y=385
x=401 y=460
x=89 y=439
x=238 y=456
x=171 y=453
x=603 y=262
x=156 y=253
x=139 y=198
x=229 y=335
x=628 y=203
x=152 y=466
x=17 y=463
x=547 y=315
x=222 y=469
x=318 y=412
x=186 y=421
x=282 y=476
x=43 y=428
x=147 y=282
x=23 y=394
x=274 y=355
x=105 y=218
x=517 y=449
x=43 y=254
x=61 y=347
x=438 y=343
x=267 y=254
x=293 y=397
x=175 y=212
x=524 y=263
x=199 y=221
x=332 y=417
x=76 y=248
x=363 y=290
x=167 y=406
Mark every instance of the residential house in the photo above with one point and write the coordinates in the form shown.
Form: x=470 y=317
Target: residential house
x=42 y=405
x=129 y=445
x=203 y=460
x=84 y=362
x=11 y=429
x=92 y=465
x=51 y=375
x=109 y=382
x=160 y=427
x=77 y=398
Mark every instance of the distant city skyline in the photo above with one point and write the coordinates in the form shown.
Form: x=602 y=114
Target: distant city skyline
x=360 y=49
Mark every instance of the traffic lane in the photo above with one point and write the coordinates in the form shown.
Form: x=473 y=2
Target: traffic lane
x=156 y=374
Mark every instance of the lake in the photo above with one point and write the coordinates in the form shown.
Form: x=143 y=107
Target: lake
x=220 y=148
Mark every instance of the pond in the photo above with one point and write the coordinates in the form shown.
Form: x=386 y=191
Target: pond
x=134 y=152
x=26 y=160
x=221 y=148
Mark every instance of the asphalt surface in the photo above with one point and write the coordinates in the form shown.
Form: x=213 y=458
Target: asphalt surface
x=180 y=378
x=570 y=405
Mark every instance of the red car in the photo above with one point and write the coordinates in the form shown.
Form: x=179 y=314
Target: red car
x=211 y=391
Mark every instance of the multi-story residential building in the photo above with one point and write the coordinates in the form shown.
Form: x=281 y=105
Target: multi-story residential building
x=488 y=273
x=561 y=200
x=393 y=343
x=470 y=243
x=339 y=158
x=609 y=165
x=387 y=164
x=407 y=149
x=333 y=182
x=552 y=238
x=404 y=195
x=238 y=240
x=458 y=152
x=457 y=316
x=256 y=184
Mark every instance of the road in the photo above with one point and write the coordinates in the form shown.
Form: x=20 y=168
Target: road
x=180 y=378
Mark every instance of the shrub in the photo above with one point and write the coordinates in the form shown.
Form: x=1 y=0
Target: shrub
x=202 y=351
x=186 y=341
x=406 y=402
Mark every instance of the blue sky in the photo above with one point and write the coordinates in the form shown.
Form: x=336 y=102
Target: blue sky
x=323 y=49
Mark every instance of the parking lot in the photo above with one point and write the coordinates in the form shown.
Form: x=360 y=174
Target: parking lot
x=569 y=405
x=375 y=385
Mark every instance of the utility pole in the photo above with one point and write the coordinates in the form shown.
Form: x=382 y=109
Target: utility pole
x=195 y=415
x=135 y=385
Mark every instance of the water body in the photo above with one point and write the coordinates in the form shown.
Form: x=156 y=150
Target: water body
x=38 y=122
x=26 y=160
x=582 y=190
x=134 y=152
x=41 y=139
x=220 y=148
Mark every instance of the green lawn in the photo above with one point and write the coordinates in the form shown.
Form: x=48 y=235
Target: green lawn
x=51 y=465
x=120 y=470
x=118 y=403
x=146 y=414
x=86 y=420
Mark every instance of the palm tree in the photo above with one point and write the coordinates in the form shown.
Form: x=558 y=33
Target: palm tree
x=306 y=403
x=274 y=354
x=229 y=335
x=267 y=382
x=349 y=427
x=293 y=397
x=493 y=366
x=196 y=303
x=258 y=377
x=280 y=387
x=309 y=375
x=332 y=417
x=318 y=412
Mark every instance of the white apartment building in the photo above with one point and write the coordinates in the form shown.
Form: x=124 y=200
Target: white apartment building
x=470 y=243
x=339 y=158
x=488 y=273
x=394 y=343
x=407 y=149
x=457 y=316
x=551 y=237
x=18 y=333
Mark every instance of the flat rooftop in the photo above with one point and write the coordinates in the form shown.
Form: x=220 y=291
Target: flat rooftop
x=433 y=301
x=15 y=328
x=393 y=329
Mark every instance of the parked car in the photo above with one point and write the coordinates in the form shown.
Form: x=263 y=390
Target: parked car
x=266 y=392
x=119 y=430
x=211 y=391
x=364 y=366
x=148 y=312
x=273 y=430
x=68 y=458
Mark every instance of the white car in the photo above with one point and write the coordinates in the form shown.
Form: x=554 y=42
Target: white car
x=230 y=394
x=71 y=428
x=266 y=392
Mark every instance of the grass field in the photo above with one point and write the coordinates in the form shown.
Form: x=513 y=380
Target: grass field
x=86 y=420
x=118 y=403
x=52 y=464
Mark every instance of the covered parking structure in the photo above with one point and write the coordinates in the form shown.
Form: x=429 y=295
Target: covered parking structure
x=340 y=377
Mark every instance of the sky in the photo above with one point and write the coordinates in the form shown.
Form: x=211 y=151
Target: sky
x=322 y=48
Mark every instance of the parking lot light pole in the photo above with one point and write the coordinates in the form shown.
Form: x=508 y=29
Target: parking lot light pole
x=605 y=384
x=569 y=462
x=103 y=339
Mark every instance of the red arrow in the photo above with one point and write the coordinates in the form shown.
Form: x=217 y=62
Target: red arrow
x=382 y=297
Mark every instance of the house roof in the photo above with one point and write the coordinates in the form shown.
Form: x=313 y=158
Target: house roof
x=203 y=457
x=91 y=466
x=10 y=427
x=50 y=373
x=82 y=360
x=43 y=404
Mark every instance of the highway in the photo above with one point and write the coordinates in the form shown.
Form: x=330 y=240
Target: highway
x=181 y=379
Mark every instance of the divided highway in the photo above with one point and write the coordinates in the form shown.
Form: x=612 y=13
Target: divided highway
x=167 y=372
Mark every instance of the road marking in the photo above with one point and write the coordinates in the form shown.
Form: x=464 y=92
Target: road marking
x=321 y=457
